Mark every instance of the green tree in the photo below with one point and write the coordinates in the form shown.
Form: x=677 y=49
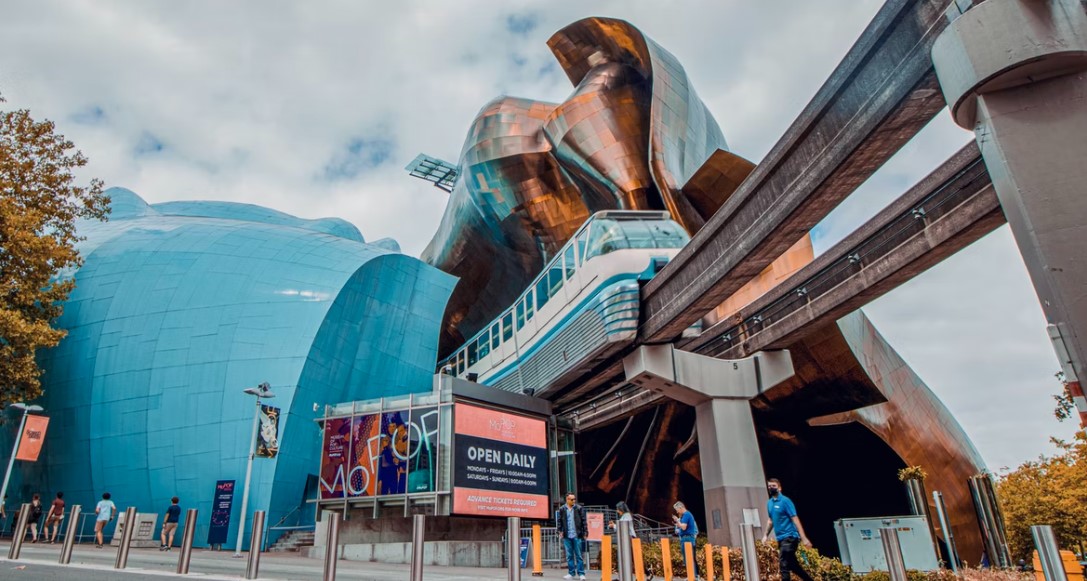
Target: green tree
x=1051 y=490
x=40 y=202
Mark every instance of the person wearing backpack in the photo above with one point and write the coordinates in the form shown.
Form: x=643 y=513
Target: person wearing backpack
x=35 y=516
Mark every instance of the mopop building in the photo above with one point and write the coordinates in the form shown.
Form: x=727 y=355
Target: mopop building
x=181 y=306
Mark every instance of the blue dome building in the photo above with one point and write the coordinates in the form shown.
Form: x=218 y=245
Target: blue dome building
x=179 y=307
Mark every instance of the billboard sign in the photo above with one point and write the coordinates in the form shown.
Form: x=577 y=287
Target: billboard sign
x=220 y=512
x=380 y=454
x=501 y=463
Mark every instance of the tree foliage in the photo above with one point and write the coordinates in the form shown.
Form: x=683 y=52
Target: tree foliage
x=40 y=202
x=1048 y=491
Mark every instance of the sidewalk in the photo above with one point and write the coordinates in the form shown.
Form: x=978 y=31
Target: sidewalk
x=39 y=562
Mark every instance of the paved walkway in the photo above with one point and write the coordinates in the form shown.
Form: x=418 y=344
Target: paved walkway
x=39 y=562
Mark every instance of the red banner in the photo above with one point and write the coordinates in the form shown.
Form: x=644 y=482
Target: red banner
x=30 y=445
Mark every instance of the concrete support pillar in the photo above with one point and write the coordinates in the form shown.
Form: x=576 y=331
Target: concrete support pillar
x=733 y=481
x=1013 y=72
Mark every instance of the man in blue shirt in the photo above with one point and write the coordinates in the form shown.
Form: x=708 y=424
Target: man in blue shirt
x=786 y=525
x=686 y=530
x=571 y=524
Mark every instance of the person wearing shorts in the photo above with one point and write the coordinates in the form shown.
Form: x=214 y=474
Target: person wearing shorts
x=55 y=516
x=169 y=524
x=104 y=512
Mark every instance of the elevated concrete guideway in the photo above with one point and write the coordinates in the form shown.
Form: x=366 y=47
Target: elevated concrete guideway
x=878 y=98
x=950 y=209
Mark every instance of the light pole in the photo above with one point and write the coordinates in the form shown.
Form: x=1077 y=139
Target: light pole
x=262 y=390
x=15 y=448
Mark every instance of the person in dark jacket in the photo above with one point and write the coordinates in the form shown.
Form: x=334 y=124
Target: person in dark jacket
x=570 y=522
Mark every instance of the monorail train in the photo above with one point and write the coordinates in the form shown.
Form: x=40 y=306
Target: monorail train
x=581 y=309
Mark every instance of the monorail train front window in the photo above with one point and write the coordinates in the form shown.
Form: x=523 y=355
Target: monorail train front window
x=611 y=235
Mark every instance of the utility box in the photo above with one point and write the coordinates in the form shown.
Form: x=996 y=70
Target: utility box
x=143 y=535
x=861 y=544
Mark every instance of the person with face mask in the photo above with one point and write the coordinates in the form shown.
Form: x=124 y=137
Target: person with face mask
x=788 y=530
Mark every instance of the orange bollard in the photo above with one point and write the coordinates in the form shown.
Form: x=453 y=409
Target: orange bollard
x=666 y=558
x=709 y=562
x=537 y=555
x=605 y=558
x=726 y=567
x=639 y=562
x=688 y=554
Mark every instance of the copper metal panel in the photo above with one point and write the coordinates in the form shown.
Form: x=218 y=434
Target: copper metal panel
x=628 y=137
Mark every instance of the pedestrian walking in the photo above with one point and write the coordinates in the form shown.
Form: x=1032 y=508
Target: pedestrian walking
x=786 y=526
x=572 y=526
x=624 y=516
x=54 y=517
x=169 y=524
x=104 y=514
x=35 y=516
x=687 y=531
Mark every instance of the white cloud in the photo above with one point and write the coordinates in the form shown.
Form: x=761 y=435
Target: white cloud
x=255 y=101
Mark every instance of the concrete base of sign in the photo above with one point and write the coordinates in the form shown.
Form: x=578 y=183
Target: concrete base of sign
x=438 y=553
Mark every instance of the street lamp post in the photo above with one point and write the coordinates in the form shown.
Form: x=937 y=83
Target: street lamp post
x=15 y=448
x=262 y=390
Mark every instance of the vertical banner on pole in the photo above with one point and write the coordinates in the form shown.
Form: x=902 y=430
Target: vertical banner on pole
x=220 y=512
x=30 y=445
x=268 y=433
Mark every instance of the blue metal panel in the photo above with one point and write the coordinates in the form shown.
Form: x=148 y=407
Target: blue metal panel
x=180 y=306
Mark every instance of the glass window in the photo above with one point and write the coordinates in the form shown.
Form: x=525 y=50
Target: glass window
x=568 y=261
x=460 y=363
x=542 y=293
x=507 y=327
x=520 y=314
x=555 y=276
x=472 y=358
x=484 y=344
x=495 y=338
x=611 y=235
x=582 y=243
x=604 y=236
x=530 y=305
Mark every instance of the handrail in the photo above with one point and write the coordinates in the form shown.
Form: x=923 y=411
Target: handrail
x=294 y=528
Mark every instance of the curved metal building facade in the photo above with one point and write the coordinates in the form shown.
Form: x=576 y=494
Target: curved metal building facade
x=178 y=308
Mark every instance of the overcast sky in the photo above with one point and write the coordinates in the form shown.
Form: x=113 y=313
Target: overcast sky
x=314 y=108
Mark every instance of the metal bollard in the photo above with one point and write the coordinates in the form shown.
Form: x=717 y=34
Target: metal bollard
x=185 y=556
x=941 y=513
x=418 y=522
x=69 y=535
x=252 y=566
x=893 y=551
x=747 y=547
x=20 y=531
x=513 y=548
x=126 y=538
x=1048 y=552
x=332 y=547
x=626 y=552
